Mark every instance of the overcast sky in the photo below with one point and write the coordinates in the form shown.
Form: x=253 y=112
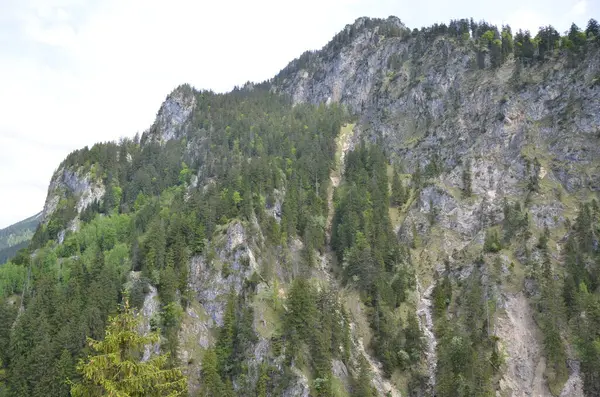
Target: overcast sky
x=75 y=72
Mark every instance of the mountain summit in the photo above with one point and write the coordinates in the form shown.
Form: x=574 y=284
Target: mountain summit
x=401 y=213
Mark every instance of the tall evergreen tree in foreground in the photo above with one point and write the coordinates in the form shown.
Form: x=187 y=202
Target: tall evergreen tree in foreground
x=116 y=367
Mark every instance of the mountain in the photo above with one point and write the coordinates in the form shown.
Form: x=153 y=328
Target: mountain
x=17 y=236
x=403 y=212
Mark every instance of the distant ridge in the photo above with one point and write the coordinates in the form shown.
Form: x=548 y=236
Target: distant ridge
x=17 y=236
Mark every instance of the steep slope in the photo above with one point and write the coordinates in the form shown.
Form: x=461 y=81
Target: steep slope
x=400 y=213
x=524 y=131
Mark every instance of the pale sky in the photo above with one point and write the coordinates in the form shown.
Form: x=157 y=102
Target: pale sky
x=75 y=72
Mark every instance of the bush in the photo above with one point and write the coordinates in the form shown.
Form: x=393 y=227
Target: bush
x=492 y=241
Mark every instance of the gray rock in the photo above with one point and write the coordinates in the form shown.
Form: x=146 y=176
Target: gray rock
x=212 y=283
x=173 y=115
x=150 y=310
x=75 y=183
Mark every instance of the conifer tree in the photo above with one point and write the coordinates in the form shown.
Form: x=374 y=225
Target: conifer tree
x=467 y=180
x=262 y=382
x=507 y=42
x=224 y=348
x=362 y=384
x=593 y=29
x=115 y=368
x=398 y=194
x=212 y=385
x=416 y=177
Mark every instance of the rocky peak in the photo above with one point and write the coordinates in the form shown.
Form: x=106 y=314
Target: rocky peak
x=173 y=115
x=346 y=68
x=72 y=182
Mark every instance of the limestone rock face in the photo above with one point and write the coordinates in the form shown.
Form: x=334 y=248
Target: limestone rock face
x=68 y=182
x=435 y=109
x=173 y=115
x=520 y=133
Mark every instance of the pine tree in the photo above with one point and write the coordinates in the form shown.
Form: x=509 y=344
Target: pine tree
x=576 y=36
x=262 y=382
x=224 y=347
x=552 y=311
x=167 y=289
x=115 y=367
x=398 y=194
x=64 y=369
x=299 y=321
x=467 y=180
x=362 y=384
x=492 y=241
x=211 y=385
x=416 y=177
x=496 y=57
x=593 y=29
x=199 y=238
x=507 y=42
x=8 y=313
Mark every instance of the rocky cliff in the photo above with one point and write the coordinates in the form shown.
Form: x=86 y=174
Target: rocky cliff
x=433 y=103
x=470 y=138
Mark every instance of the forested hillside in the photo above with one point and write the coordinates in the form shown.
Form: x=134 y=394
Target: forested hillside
x=17 y=236
x=404 y=212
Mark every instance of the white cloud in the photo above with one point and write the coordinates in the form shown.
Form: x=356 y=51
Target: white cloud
x=579 y=8
x=526 y=19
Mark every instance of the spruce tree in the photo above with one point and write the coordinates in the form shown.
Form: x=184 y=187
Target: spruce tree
x=398 y=194
x=115 y=368
x=593 y=29
x=212 y=385
x=362 y=383
x=467 y=180
x=224 y=347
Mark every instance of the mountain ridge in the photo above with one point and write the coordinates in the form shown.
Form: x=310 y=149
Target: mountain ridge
x=460 y=216
x=17 y=236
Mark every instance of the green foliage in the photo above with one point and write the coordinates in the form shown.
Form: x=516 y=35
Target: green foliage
x=212 y=385
x=185 y=175
x=466 y=347
x=17 y=236
x=19 y=232
x=524 y=46
x=262 y=382
x=8 y=314
x=12 y=279
x=115 y=366
x=534 y=175
x=65 y=211
x=253 y=152
x=593 y=29
x=362 y=384
x=398 y=196
x=507 y=42
x=467 y=180
x=580 y=297
x=416 y=177
x=64 y=299
x=373 y=259
x=576 y=36
x=442 y=296
x=234 y=341
x=548 y=40
x=300 y=317
x=492 y=241
x=224 y=347
x=515 y=220
x=315 y=322
x=138 y=292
